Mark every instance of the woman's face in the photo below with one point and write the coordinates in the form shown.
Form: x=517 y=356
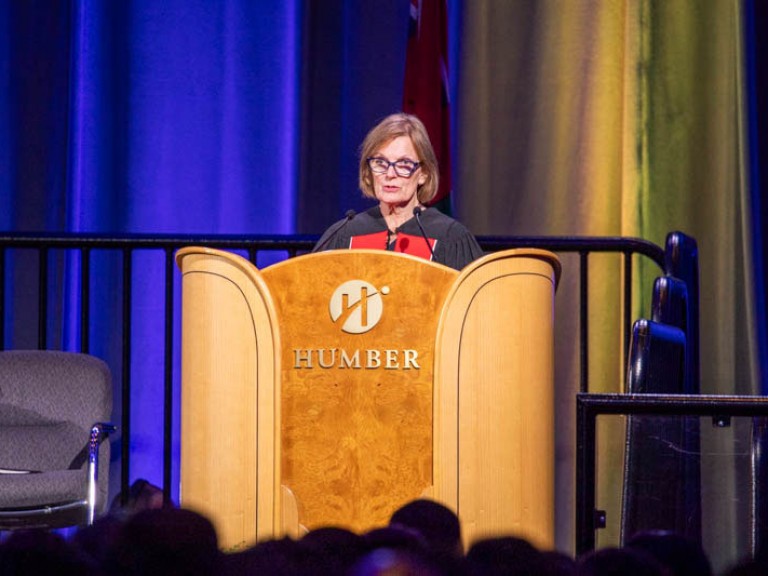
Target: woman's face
x=397 y=190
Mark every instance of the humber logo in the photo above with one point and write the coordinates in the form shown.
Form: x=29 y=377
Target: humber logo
x=357 y=306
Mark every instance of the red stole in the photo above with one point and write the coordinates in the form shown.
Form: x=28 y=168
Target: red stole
x=405 y=243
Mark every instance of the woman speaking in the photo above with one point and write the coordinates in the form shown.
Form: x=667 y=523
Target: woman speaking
x=398 y=168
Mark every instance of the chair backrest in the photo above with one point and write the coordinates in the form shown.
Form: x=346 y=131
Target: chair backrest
x=657 y=359
x=681 y=261
x=670 y=303
x=39 y=386
x=662 y=478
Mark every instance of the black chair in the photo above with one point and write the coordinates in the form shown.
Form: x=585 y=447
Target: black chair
x=53 y=462
x=657 y=359
x=759 y=504
x=681 y=261
x=662 y=474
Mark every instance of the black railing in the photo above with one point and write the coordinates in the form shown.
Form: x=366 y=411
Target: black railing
x=720 y=408
x=83 y=245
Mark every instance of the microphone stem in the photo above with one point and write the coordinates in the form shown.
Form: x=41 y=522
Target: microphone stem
x=348 y=217
x=417 y=215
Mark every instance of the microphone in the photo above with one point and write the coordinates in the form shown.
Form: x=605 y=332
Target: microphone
x=331 y=234
x=417 y=215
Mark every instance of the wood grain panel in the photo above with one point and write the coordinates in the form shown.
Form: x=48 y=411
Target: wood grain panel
x=357 y=442
x=494 y=439
x=228 y=399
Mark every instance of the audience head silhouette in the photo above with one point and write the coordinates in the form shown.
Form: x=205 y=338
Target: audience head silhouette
x=619 y=562
x=423 y=538
x=680 y=555
x=503 y=556
x=168 y=541
x=388 y=562
x=437 y=524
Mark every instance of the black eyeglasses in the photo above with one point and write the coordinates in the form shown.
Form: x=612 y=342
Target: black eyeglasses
x=403 y=168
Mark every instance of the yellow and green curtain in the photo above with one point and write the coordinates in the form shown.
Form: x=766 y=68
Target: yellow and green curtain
x=618 y=118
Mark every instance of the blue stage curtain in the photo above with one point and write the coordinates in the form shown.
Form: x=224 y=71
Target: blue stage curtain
x=181 y=116
x=191 y=116
x=154 y=117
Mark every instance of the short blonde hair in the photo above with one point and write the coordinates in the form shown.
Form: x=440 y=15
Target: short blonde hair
x=392 y=127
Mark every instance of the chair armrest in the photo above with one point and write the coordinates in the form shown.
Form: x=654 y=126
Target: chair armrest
x=99 y=432
x=103 y=429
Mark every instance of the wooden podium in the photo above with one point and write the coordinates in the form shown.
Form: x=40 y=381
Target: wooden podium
x=332 y=388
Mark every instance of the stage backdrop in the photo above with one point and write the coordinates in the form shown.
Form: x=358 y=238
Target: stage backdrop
x=621 y=118
x=600 y=117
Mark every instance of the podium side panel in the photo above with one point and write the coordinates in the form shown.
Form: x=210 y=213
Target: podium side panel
x=228 y=401
x=494 y=444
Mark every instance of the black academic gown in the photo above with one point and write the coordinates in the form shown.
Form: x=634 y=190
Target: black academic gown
x=452 y=244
